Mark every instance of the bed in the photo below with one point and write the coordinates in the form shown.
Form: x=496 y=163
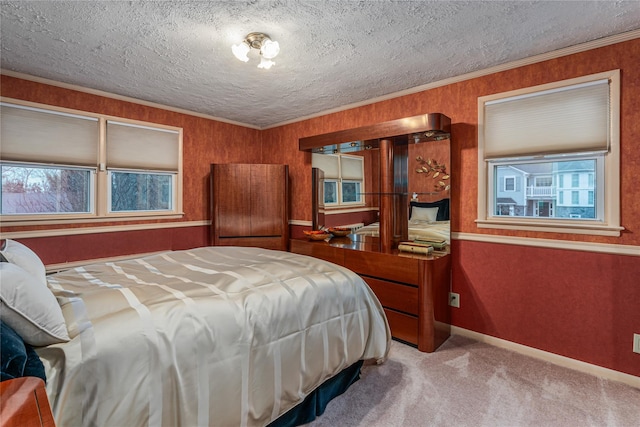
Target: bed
x=212 y=336
x=427 y=221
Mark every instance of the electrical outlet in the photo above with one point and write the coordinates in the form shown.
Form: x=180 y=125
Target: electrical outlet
x=454 y=299
x=636 y=343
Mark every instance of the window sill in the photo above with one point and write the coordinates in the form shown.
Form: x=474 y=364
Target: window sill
x=347 y=209
x=549 y=227
x=52 y=220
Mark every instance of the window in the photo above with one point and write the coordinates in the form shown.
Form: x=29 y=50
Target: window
x=330 y=191
x=343 y=179
x=575 y=180
x=138 y=182
x=509 y=183
x=575 y=198
x=139 y=191
x=554 y=135
x=70 y=165
x=28 y=189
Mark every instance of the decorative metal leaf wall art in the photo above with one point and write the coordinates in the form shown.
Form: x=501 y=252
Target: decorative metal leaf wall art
x=437 y=171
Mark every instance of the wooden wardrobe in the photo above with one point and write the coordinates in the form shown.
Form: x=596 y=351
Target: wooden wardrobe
x=250 y=205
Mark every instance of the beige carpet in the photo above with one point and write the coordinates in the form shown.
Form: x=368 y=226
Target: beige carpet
x=468 y=383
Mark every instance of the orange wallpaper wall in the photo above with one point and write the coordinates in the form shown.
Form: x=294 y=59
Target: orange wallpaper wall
x=459 y=102
x=204 y=141
x=581 y=305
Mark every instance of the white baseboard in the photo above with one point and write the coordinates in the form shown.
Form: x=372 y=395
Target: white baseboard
x=556 y=359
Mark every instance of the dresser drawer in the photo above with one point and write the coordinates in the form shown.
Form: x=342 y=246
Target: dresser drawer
x=275 y=242
x=403 y=326
x=318 y=250
x=394 y=295
x=384 y=266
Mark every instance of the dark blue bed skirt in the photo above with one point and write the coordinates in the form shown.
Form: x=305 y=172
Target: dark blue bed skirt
x=316 y=402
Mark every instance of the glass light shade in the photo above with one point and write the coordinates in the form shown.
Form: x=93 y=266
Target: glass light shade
x=265 y=63
x=270 y=49
x=240 y=51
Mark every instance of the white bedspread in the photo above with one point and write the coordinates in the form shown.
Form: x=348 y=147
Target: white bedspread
x=216 y=336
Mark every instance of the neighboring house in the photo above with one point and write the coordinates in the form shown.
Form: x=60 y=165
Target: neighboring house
x=553 y=190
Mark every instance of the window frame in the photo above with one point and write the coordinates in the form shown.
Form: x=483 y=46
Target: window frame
x=111 y=171
x=608 y=171
x=100 y=196
x=506 y=179
x=53 y=215
x=339 y=181
x=359 y=193
x=336 y=192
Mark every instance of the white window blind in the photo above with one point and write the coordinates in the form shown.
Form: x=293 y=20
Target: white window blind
x=140 y=147
x=568 y=119
x=34 y=135
x=351 y=168
x=328 y=163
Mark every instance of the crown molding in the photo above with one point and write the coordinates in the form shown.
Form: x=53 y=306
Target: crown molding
x=97 y=92
x=594 y=44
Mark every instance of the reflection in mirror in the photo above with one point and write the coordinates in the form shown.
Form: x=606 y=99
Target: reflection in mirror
x=346 y=187
x=428 y=185
x=406 y=182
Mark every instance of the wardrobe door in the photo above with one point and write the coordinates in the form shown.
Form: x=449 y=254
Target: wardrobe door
x=250 y=205
x=268 y=201
x=232 y=200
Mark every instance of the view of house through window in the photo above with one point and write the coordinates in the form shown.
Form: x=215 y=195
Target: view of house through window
x=549 y=157
x=552 y=189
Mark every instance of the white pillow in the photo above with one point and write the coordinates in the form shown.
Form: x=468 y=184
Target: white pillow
x=424 y=214
x=29 y=307
x=20 y=255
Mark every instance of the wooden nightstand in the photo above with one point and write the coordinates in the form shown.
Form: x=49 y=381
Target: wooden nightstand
x=24 y=403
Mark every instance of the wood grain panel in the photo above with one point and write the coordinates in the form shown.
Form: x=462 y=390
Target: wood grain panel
x=317 y=250
x=434 y=303
x=249 y=205
x=393 y=295
x=386 y=129
x=24 y=403
x=268 y=194
x=399 y=269
x=257 y=241
x=232 y=207
x=404 y=327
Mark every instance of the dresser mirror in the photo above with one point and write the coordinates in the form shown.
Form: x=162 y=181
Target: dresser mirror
x=406 y=180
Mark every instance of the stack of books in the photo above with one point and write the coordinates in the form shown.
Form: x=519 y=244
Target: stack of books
x=419 y=248
x=437 y=244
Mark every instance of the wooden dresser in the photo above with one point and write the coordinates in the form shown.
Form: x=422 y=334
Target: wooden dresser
x=413 y=289
x=24 y=403
x=249 y=205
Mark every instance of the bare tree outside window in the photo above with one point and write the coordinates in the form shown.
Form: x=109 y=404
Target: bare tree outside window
x=134 y=191
x=45 y=190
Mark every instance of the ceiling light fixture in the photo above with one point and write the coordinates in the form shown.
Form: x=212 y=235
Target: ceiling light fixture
x=260 y=41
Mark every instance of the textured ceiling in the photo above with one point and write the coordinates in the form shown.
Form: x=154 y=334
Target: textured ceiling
x=333 y=53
